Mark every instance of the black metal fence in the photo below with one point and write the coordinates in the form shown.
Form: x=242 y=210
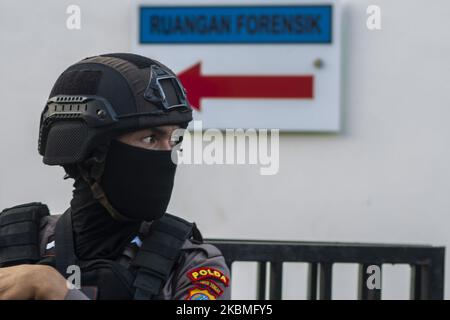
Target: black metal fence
x=427 y=265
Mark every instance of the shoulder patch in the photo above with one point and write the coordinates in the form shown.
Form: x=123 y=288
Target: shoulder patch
x=208 y=273
x=212 y=287
x=200 y=294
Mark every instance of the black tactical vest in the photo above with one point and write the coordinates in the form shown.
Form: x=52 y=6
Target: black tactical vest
x=142 y=278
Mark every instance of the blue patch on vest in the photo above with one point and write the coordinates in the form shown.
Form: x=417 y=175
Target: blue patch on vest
x=199 y=296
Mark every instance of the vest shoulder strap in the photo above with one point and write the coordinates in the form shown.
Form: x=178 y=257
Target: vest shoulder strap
x=19 y=233
x=160 y=251
x=64 y=245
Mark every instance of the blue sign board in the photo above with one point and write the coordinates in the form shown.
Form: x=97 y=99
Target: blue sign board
x=235 y=24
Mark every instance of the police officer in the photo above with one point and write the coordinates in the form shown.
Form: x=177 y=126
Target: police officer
x=110 y=122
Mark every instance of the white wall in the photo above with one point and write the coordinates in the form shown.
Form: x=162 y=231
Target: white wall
x=385 y=178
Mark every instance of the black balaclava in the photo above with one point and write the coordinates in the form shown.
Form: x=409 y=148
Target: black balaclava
x=138 y=182
x=96 y=234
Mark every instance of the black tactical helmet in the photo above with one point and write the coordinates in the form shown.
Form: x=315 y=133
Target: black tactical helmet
x=101 y=97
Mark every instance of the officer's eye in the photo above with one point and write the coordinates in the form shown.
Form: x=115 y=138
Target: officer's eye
x=149 y=140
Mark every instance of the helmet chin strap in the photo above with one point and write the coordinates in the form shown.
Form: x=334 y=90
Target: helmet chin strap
x=92 y=177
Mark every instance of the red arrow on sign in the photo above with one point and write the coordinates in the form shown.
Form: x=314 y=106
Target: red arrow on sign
x=200 y=86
